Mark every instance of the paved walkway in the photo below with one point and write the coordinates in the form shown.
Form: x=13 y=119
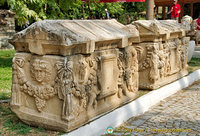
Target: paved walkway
x=178 y=115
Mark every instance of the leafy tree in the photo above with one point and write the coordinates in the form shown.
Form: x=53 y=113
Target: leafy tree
x=2 y=2
x=35 y=10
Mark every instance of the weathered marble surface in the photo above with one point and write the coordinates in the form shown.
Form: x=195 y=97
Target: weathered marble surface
x=67 y=72
x=69 y=37
x=164 y=56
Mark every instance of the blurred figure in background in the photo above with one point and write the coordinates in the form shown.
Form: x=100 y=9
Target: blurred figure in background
x=175 y=10
x=107 y=14
x=198 y=30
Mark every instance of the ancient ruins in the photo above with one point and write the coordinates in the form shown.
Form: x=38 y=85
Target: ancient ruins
x=7 y=28
x=165 y=45
x=66 y=72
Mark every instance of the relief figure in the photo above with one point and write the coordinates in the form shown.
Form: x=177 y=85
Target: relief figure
x=154 y=74
x=69 y=91
x=92 y=84
x=40 y=71
x=131 y=68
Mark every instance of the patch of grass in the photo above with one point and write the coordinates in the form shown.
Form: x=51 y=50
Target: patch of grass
x=4 y=95
x=6 y=69
x=62 y=133
x=6 y=111
x=6 y=58
x=40 y=129
x=22 y=128
x=194 y=62
x=193 y=65
x=11 y=125
x=18 y=127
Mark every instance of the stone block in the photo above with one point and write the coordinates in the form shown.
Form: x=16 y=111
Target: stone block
x=66 y=73
x=69 y=72
x=164 y=52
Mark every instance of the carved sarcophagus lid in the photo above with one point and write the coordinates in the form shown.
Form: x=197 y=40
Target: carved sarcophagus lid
x=159 y=30
x=68 y=37
x=66 y=73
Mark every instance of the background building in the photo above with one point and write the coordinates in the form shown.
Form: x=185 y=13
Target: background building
x=188 y=7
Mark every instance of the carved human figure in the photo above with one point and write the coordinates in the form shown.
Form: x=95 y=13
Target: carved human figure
x=42 y=92
x=131 y=68
x=167 y=67
x=69 y=90
x=40 y=70
x=92 y=87
x=120 y=78
x=161 y=61
x=178 y=53
x=18 y=64
x=64 y=81
x=154 y=72
x=82 y=71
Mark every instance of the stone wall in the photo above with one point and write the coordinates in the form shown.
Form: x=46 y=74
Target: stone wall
x=67 y=72
x=7 y=28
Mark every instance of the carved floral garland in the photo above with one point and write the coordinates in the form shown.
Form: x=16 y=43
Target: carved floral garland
x=40 y=93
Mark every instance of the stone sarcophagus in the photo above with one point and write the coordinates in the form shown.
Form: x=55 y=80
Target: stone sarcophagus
x=164 y=57
x=66 y=72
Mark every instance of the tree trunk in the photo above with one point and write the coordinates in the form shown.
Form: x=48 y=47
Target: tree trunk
x=149 y=9
x=89 y=9
x=83 y=10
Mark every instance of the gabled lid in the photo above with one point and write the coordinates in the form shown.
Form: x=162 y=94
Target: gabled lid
x=67 y=37
x=155 y=30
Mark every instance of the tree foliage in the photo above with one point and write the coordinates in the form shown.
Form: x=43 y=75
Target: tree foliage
x=35 y=10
